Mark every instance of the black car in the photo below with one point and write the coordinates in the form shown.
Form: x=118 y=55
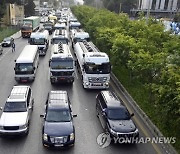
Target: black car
x=7 y=42
x=114 y=116
x=58 y=129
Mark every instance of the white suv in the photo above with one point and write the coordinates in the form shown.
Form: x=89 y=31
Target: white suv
x=16 y=113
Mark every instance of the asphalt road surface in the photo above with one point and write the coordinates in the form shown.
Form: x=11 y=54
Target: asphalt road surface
x=87 y=125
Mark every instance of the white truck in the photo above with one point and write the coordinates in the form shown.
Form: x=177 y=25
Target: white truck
x=41 y=39
x=61 y=64
x=78 y=35
x=74 y=25
x=93 y=65
x=60 y=35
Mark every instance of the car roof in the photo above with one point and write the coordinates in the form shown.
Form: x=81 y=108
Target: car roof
x=111 y=98
x=58 y=99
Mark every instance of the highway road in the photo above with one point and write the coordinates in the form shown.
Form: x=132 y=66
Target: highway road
x=87 y=125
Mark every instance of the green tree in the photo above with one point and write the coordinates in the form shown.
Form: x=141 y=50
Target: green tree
x=29 y=8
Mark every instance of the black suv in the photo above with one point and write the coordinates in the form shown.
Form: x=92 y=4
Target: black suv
x=58 y=129
x=114 y=116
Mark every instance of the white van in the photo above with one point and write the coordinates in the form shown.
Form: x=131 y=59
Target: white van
x=27 y=63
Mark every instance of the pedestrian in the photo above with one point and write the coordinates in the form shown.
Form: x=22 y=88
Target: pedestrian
x=13 y=47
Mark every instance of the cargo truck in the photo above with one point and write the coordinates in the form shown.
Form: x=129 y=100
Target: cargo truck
x=30 y=24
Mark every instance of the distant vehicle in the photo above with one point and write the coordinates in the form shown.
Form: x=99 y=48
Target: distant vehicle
x=41 y=39
x=58 y=129
x=60 y=35
x=79 y=35
x=74 y=25
x=52 y=17
x=48 y=25
x=1 y=49
x=30 y=24
x=59 y=26
x=114 y=116
x=94 y=66
x=16 y=115
x=7 y=42
x=27 y=63
x=61 y=64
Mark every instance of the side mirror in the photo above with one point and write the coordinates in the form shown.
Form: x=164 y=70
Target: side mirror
x=28 y=40
x=74 y=115
x=49 y=62
x=51 y=41
x=14 y=60
x=132 y=114
x=1 y=108
x=34 y=68
x=75 y=63
x=14 y=68
x=42 y=116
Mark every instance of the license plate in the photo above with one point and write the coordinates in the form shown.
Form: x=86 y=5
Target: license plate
x=97 y=84
x=61 y=78
x=58 y=145
x=23 y=80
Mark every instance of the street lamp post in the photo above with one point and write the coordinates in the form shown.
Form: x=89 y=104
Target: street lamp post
x=148 y=12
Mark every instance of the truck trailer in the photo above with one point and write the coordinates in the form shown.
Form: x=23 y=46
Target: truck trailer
x=30 y=24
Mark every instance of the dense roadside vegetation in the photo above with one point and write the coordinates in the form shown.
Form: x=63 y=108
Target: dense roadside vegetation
x=6 y=32
x=145 y=59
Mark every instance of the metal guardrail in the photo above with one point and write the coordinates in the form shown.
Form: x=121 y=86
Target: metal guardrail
x=152 y=128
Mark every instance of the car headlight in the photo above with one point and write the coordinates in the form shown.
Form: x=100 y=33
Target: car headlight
x=45 y=137
x=71 y=136
x=23 y=127
x=113 y=132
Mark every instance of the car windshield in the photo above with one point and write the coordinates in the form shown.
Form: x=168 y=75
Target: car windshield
x=92 y=68
x=15 y=107
x=38 y=41
x=62 y=64
x=58 y=116
x=118 y=114
x=24 y=68
x=7 y=39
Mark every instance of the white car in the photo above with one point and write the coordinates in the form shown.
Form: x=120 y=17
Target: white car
x=16 y=113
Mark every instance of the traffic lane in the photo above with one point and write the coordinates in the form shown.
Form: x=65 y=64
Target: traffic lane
x=7 y=81
x=7 y=69
x=87 y=125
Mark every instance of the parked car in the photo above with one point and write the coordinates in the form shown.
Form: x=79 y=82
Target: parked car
x=58 y=129
x=7 y=42
x=1 y=49
x=114 y=116
x=16 y=113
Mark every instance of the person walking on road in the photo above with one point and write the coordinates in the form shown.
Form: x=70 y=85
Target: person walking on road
x=13 y=47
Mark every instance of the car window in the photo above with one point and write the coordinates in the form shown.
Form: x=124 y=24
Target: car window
x=29 y=97
x=55 y=115
x=15 y=107
x=118 y=114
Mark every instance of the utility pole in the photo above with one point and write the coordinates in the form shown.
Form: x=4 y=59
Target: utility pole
x=120 y=5
x=148 y=12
